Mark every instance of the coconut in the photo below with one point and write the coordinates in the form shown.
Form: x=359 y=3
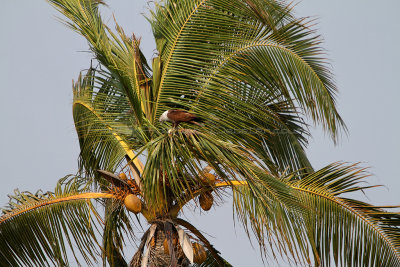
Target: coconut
x=123 y=176
x=133 y=203
x=199 y=253
x=206 y=201
x=208 y=178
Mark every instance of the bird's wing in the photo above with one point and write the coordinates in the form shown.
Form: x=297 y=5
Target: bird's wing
x=180 y=116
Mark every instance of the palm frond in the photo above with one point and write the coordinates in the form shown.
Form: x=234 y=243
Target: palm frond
x=36 y=229
x=235 y=33
x=229 y=62
x=351 y=232
x=327 y=225
x=117 y=225
x=114 y=51
x=103 y=123
x=278 y=228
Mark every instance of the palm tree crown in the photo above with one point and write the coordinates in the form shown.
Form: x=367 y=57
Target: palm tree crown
x=255 y=75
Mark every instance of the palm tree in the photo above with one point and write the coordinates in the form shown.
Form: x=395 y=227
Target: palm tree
x=255 y=74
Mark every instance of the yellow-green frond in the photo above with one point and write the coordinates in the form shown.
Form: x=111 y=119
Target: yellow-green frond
x=350 y=232
x=39 y=229
x=103 y=122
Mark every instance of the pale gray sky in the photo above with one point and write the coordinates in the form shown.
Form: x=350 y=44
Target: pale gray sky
x=40 y=57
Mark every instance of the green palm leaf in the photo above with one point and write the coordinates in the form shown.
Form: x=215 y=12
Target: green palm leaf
x=117 y=225
x=331 y=227
x=277 y=227
x=35 y=228
x=352 y=232
x=250 y=70
x=209 y=46
x=113 y=51
x=103 y=122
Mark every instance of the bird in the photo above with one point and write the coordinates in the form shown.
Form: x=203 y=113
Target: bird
x=177 y=116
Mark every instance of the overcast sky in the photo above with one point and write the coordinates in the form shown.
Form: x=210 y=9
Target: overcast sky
x=40 y=57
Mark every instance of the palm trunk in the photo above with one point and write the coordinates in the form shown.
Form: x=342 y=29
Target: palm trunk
x=157 y=256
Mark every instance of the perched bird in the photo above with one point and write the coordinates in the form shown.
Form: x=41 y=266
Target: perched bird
x=177 y=116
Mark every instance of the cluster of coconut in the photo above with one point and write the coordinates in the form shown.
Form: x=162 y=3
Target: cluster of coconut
x=206 y=199
x=199 y=253
x=131 y=201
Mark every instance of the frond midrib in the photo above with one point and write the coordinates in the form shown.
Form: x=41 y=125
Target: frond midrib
x=265 y=43
x=123 y=144
x=52 y=201
x=170 y=56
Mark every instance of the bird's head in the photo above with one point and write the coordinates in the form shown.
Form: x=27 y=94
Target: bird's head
x=164 y=117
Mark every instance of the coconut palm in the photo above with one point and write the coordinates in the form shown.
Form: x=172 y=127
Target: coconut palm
x=255 y=74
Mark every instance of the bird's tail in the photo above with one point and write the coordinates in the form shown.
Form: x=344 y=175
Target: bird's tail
x=197 y=119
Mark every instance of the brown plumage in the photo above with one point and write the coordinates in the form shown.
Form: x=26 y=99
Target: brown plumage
x=176 y=116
